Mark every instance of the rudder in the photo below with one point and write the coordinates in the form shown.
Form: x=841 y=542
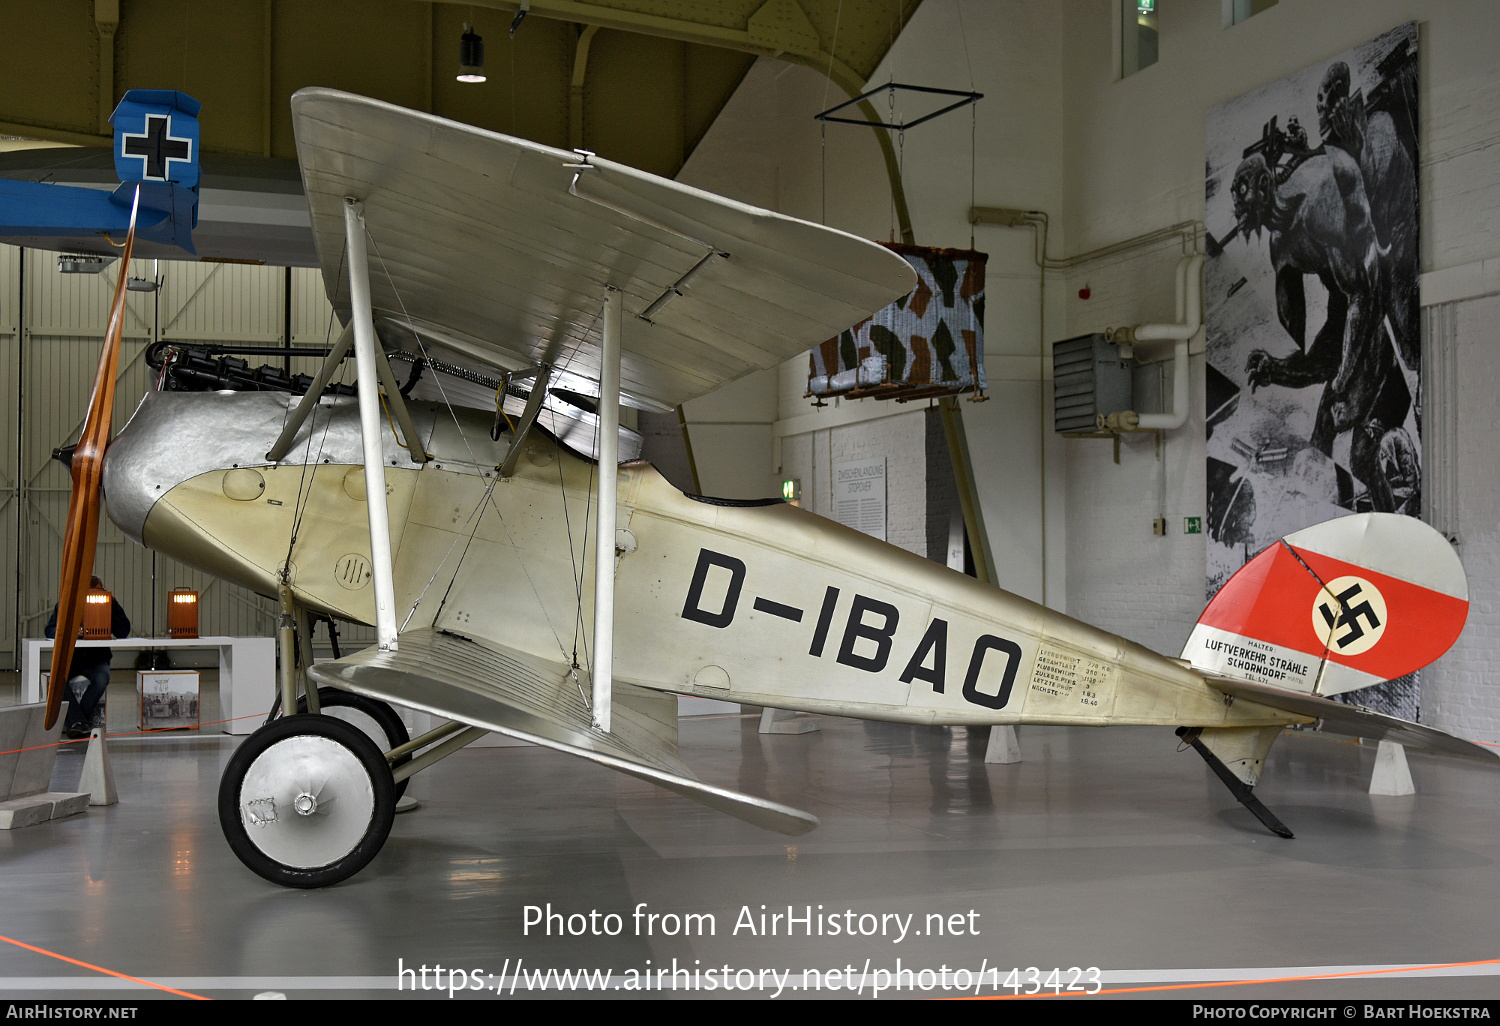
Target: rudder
x=1343 y=605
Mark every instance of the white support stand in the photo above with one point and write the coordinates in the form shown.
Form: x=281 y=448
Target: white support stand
x=609 y=469
x=28 y=754
x=363 y=320
x=785 y=721
x=1003 y=748
x=1391 y=776
x=98 y=777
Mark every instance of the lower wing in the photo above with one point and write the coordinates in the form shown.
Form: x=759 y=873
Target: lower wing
x=486 y=685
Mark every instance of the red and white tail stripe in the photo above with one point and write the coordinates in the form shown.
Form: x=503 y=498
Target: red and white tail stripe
x=1343 y=605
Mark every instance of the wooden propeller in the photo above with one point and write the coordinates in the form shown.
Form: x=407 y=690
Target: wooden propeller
x=87 y=466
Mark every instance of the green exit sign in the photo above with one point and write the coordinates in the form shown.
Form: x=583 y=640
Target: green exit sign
x=1192 y=525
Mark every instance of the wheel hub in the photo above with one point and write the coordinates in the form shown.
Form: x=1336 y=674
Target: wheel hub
x=325 y=784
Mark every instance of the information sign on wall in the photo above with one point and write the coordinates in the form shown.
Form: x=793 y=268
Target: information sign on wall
x=859 y=496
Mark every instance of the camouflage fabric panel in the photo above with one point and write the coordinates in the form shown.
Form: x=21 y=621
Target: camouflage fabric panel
x=929 y=343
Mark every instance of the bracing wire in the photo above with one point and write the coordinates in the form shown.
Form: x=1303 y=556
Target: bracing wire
x=472 y=518
x=576 y=557
x=963 y=35
x=489 y=497
x=304 y=484
x=521 y=562
x=436 y=378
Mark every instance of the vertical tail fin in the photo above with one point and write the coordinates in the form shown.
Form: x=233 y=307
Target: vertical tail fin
x=1343 y=605
x=156 y=137
x=156 y=147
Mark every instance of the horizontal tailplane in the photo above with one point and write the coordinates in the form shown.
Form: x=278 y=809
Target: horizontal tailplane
x=1355 y=721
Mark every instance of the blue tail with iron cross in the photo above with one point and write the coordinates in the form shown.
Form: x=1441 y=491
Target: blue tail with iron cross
x=155 y=151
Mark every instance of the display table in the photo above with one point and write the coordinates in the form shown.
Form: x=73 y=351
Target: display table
x=247 y=672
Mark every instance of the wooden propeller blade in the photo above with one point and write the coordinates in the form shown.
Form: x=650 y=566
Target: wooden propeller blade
x=82 y=528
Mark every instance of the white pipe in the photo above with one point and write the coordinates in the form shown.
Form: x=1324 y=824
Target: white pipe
x=369 y=425
x=1189 y=323
x=604 y=533
x=1178 y=416
x=1181 y=290
x=1189 y=306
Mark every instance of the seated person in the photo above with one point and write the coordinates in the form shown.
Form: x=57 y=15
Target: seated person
x=88 y=674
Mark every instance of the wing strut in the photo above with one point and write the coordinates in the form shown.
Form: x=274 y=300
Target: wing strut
x=369 y=424
x=604 y=533
x=396 y=402
x=528 y=417
x=310 y=398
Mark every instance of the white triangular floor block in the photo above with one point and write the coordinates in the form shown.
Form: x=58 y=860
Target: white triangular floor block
x=98 y=777
x=1391 y=776
x=1003 y=747
x=785 y=721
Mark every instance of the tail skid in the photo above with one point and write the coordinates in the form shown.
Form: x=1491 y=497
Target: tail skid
x=1241 y=773
x=1240 y=788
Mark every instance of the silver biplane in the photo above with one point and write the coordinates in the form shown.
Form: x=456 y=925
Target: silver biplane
x=529 y=293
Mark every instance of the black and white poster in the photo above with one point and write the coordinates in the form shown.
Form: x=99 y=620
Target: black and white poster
x=1314 y=348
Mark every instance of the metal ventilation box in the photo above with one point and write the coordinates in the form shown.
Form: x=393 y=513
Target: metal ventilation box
x=1088 y=378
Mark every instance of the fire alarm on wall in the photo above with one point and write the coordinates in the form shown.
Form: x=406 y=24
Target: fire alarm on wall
x=1085 y=292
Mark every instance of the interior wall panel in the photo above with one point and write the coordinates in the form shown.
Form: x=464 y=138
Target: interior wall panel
x=10 y=496
x=222 y=303
x=47 y=400
x=36 y=47
x=218 y=57
x=313 y=323
x=78 y=304
x=364 y=48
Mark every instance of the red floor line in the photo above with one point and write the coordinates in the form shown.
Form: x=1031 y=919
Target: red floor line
x=129 y=733
x=101 y=969
x=1241 y=983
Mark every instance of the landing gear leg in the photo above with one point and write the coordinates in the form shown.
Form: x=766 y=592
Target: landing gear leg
x=377 y=719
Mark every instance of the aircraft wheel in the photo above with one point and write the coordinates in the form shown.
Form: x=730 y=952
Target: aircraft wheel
x=377 y=719
x=307 y=801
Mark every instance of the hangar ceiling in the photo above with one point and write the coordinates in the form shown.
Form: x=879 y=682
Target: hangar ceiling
x=638 y=81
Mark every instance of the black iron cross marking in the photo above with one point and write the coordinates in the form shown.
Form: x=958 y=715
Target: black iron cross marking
x=1350 y=616
x=157 y=146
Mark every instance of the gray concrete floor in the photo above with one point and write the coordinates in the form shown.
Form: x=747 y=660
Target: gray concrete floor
x=1103 y=848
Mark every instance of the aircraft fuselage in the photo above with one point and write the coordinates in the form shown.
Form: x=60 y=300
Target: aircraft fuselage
x=761 y=604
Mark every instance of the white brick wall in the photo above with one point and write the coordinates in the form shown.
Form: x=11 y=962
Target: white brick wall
x=900 y=439
x=1121 y=576
x=1109 y=160
x=1461 y=692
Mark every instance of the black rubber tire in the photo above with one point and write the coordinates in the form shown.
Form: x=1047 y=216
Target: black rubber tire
x=373 y=837
x=332 y=699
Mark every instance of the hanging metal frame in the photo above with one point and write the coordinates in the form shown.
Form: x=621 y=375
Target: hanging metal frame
x=965 y=98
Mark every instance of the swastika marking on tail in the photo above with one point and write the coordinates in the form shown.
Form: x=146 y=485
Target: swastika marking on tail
x=1349 y=615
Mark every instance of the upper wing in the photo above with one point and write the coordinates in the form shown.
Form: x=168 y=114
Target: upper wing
x=487 y=685
x=485 y=246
